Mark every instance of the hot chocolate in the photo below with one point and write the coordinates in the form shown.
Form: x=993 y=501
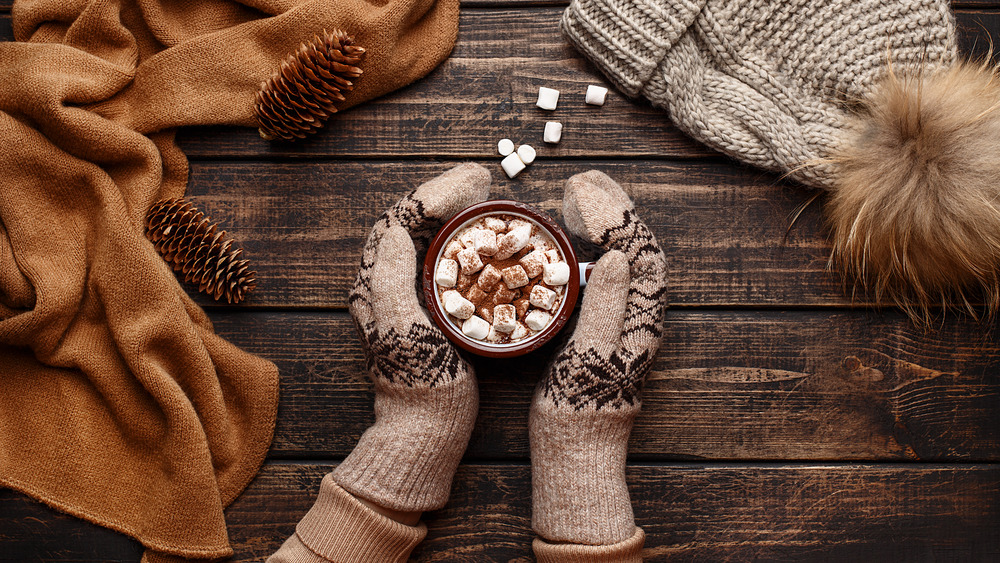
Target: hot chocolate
x=501 y=278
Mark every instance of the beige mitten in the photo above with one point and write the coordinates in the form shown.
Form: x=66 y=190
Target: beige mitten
x=582 y=411
x=426 y=398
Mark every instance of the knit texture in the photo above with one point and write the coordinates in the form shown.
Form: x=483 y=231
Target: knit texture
x=118 y=403
x=426 y=397
x=764 y=81
x=627 y=551
x=340 y=528
x=582 y=411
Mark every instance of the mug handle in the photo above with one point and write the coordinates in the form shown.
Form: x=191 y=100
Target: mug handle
x=585 y=269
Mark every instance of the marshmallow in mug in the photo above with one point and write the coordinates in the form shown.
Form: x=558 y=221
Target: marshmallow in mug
x=494 y=303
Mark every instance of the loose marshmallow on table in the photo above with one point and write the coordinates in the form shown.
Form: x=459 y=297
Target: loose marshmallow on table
x=526 y=153
x=485 y=242
x=456 y=305
x=556 y=274
x=469 y=260
x=542 y=298
x=512 y=165
x=515 y=276
x=488 y=278
x=596 y=94
x=504 y=319
x=476 y=328
x=537 y=320
x=532 y=263
x=553 y=132
x=505 y=147
x=447 y=273
x=547 y=98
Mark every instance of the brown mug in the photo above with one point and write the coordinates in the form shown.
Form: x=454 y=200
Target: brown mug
x=579 y=272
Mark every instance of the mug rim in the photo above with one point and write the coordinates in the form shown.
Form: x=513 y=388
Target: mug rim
x=432 y=301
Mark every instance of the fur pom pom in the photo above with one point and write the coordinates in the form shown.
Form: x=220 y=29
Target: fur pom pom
x=915 y=215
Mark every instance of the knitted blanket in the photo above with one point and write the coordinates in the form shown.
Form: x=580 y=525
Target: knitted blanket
x=118 y=403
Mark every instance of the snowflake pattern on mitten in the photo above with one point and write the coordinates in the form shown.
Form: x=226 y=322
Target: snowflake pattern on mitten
x=581 y=375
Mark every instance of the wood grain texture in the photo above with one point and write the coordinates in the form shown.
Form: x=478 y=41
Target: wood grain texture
x=721 y=225
x=486 y=91
x=761 y=385
x=690 y=512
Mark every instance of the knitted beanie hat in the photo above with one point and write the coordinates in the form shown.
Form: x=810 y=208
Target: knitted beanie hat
x=863 y=98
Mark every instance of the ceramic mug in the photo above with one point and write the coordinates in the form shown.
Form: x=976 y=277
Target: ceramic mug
x=579 y=272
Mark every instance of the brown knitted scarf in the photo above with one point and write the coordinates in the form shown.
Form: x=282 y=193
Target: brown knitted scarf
x=118 y=404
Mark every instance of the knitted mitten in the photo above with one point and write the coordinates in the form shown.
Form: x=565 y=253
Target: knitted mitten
x=582 y=411
x=425 y=394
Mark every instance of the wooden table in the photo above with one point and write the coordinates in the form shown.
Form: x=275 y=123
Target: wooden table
x=780 y=422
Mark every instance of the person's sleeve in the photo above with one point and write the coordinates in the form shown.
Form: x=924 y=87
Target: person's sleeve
x=628 y=551
x=341 y=528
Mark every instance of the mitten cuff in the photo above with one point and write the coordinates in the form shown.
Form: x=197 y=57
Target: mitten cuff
x=628 y=551
x=627 y=39
x=341 y=528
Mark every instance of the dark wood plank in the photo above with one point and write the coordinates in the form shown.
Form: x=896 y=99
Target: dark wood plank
x=749 y=385
x=485 y=91
x=979 y=32
x=690 y=512
x=30 y=531
x=721 y=225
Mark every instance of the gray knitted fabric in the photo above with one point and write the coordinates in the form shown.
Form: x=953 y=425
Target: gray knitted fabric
x=763 y=81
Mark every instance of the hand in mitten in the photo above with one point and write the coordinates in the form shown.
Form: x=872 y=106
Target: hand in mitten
x=582 y=411
x=425 y=394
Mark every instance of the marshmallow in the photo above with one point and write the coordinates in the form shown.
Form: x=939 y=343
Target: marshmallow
x=526 y=153
x=519 y=332
x=494 y=336
x=536 y=320
x=504 y=318
x=596 y=94
x=468 y=238
x=503 y=295
x=532 y=263
x=456 y=305
x=522 y=306
x=519 y=223
x=469 y=260
x=512 y=165
x=476 y=328
x=552 y=255
x=485 y=242
x=447 y=273
x=553 y=132
x=452 y=250
x=495 y=224
x=486 y=314
x=489 y=277
x=513 y=241
x=556 y=273
x=542 y=298
x=506 y=146
x=515 y=276
x=547 y=98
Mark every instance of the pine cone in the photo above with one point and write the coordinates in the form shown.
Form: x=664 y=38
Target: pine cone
x=297 y=100
x=188 y=241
